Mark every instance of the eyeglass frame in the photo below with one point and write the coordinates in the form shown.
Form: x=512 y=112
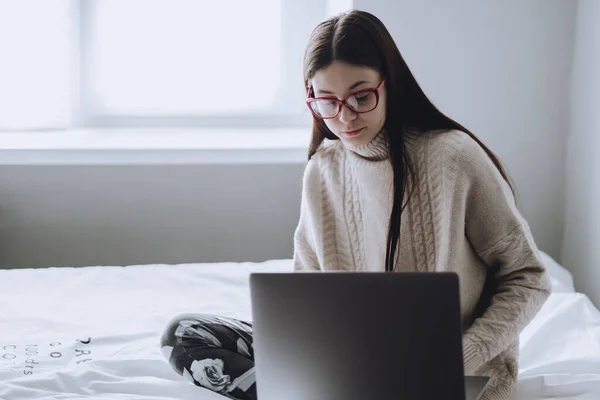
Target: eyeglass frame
x=344 y=101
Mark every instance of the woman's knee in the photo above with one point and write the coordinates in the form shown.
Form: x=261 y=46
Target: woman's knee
x=179 y=327
x=183 y=335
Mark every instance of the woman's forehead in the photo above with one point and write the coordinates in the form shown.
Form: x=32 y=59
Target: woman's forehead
x=339 y=77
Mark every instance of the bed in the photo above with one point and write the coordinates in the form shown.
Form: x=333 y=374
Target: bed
x=92 y=332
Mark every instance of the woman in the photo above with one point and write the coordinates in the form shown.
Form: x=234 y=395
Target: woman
x=392 y=184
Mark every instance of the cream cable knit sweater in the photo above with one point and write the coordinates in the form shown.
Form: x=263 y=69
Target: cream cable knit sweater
x=461 y=217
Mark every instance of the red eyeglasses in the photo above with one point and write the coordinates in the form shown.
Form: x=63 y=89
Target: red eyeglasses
x=362 y=101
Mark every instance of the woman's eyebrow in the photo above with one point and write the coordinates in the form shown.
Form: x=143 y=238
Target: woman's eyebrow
x=350 y=88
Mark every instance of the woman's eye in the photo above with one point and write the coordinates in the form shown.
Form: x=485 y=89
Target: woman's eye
x=361 y=98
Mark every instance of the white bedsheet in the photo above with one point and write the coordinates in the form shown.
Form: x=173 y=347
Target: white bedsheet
x=82 y=333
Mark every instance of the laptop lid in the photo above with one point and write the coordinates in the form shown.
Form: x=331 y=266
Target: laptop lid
x=357 y=336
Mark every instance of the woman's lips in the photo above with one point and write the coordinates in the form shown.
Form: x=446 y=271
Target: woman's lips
x=352 y=133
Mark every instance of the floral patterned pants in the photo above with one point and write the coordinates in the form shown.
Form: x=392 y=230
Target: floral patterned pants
x=212 y=352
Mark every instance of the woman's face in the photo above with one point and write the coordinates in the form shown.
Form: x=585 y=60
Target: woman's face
x=340 y=80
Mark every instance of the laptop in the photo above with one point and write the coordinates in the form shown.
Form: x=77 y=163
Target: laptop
x=359 y=336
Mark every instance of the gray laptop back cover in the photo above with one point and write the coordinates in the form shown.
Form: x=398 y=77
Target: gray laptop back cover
x=357 y=336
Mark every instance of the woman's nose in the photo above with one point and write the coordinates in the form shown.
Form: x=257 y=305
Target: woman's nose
x=346 y=114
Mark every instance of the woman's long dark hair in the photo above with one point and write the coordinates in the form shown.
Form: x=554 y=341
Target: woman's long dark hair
x=360 y=38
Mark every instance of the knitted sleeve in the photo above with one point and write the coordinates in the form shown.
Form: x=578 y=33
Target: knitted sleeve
x=501 y=237
x=305 y=248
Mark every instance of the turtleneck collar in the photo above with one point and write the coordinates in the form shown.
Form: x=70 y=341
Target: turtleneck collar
x=375 y=150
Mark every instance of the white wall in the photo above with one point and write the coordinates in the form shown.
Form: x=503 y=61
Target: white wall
x=144 y=214
x=581 y=245
x=501 y=68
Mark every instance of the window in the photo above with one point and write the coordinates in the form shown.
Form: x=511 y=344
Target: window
x=35 y=65
x=142 y=63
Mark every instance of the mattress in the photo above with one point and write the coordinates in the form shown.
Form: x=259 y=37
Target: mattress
x=92 y=332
